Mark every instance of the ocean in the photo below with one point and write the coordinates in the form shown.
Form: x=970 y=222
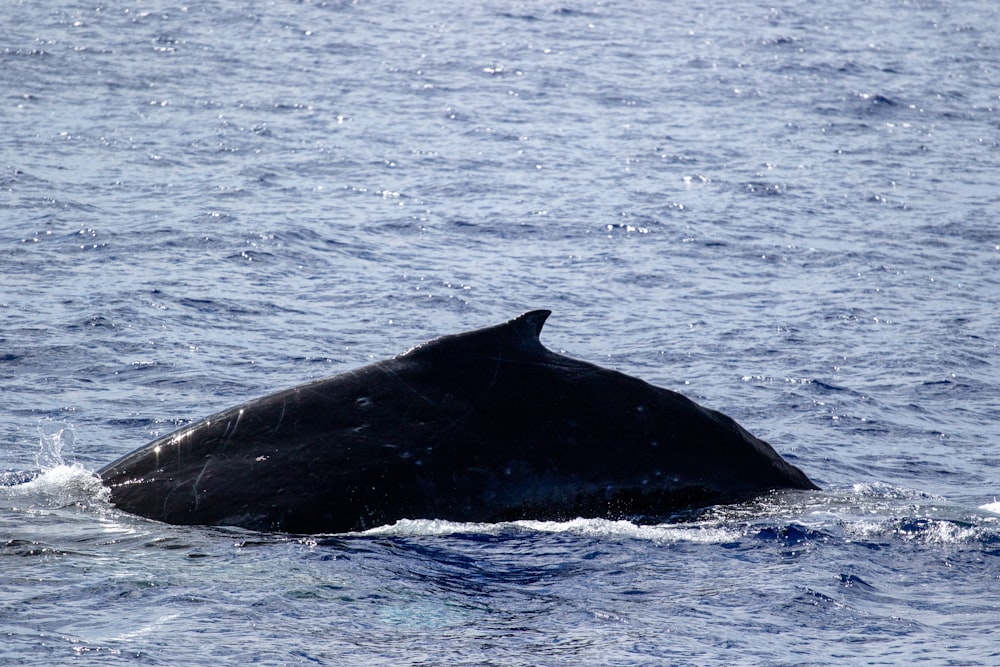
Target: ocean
x=787 y=211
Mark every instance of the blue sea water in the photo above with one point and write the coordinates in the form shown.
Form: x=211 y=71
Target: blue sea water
x=788 y=211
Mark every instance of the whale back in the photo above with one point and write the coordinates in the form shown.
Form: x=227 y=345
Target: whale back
x=487 y=425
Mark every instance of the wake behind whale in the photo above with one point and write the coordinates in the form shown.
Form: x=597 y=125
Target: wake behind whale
x=482 y=426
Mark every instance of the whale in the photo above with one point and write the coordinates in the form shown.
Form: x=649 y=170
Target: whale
x=483 y=426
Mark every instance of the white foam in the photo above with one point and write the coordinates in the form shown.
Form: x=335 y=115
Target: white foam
x=706 y=533
x=991 y=507
x=60 y=485
x=883 y=491
x=419 y=527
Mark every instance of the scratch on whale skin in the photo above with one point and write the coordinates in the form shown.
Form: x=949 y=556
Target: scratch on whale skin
x=197 y=481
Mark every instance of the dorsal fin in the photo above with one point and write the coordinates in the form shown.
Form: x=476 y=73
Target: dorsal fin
x=528 y=327
x=520 y=333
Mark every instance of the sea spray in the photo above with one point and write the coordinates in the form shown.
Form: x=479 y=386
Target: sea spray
x=55 y=438
x=56 y=483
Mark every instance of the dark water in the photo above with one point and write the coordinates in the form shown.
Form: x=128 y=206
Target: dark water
x=787 y=211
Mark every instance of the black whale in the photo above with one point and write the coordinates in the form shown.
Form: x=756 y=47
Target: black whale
x=482 y=426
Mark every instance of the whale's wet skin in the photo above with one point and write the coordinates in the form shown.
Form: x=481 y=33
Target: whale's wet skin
x=482 y=426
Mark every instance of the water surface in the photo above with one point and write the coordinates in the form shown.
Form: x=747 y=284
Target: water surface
x=787 y=212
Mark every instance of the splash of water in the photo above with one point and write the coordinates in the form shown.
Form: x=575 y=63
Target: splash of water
x=60 y=485
x=56 y=483
x=54 y=437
